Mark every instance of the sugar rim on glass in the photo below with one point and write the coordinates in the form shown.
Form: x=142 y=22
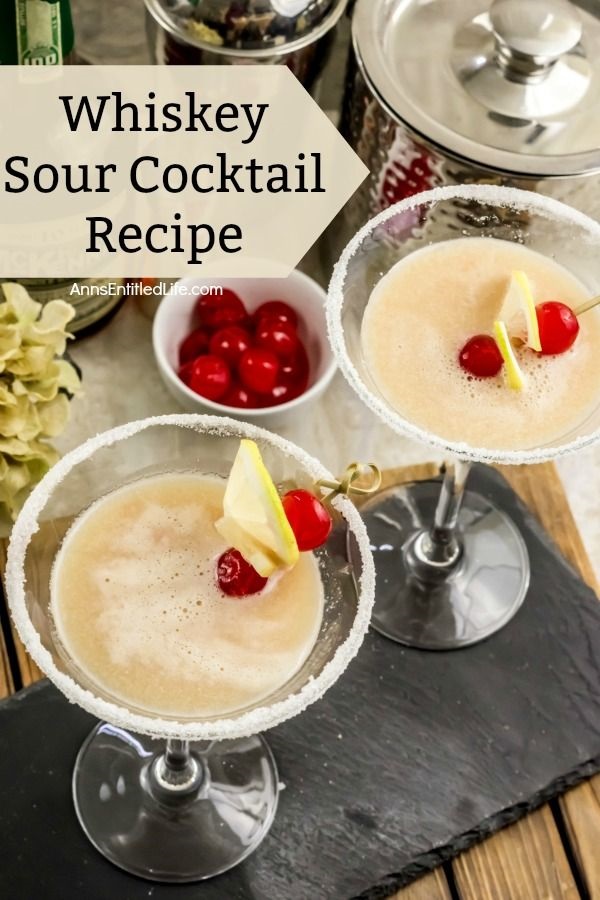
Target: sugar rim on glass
x=246 y=723
x=498 y=196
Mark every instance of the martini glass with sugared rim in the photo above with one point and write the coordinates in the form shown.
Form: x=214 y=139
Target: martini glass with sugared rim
x=170 y=797
x=452 y=568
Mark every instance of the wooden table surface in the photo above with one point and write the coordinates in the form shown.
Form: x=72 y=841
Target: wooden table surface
x=551 y=854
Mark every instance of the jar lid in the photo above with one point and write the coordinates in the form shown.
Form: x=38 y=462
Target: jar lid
x=513 y=85
x=255 y=27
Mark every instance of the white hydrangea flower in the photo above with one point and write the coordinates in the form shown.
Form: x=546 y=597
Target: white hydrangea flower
x=36 y=385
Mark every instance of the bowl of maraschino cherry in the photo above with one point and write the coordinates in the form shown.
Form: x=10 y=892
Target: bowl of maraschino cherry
x=253 y=348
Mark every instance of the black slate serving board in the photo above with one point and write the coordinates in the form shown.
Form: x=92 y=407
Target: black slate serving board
x=410 y=758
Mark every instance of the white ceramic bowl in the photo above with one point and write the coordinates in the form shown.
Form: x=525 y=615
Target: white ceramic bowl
x=173 y=322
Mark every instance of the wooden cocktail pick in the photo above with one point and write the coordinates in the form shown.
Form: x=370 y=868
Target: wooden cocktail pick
x=356 y=471
x=589 y=304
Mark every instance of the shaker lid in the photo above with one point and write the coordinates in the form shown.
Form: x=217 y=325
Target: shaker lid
x=513 y=85
x=261 y=27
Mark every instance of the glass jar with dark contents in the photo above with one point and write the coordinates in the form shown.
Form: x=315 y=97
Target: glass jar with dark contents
x=295 y=33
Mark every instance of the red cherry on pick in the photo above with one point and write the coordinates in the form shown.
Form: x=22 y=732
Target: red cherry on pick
x=258 y=370
x=481 y=357
x=193 y=345
x=310 y=521
x=210 y=377
x=236 y=577
x=558 y=327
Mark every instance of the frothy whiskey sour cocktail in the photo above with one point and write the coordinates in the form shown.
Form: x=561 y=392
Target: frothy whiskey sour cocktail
x=466 y=317
x=182 y=579
x=424 y=310
x=137 y=604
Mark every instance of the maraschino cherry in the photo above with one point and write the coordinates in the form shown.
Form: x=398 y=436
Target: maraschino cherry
x=258 y=370
x=219 y=310
x=558 y=327
x=278 y=310
x=281 y=393
x=230 y=342
x=236 y=577
x=208 y=376
x=481 y=356
x=311 y=524
x=194 y=345
x=294 y=371
x=263 y=353
x=278 y=336
x=310 y=521
x=241 y=397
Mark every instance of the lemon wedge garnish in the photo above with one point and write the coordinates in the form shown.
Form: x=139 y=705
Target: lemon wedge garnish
x=254 y=520
x=519 y=302
x=514 y=377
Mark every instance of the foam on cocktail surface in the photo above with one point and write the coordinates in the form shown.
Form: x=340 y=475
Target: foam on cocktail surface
x=425 y=308
x=137 y=606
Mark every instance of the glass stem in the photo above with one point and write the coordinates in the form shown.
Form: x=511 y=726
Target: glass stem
x=436 y=552
x=177 y=771
x=444 y=540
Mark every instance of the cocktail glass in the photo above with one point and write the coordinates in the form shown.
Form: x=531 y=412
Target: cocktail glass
x=199 y=804
x=452 y=568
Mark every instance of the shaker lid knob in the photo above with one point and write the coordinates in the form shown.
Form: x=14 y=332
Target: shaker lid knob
x=542 y=28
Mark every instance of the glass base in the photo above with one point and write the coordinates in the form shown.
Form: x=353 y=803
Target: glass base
x=479 y=596
x=174 y=836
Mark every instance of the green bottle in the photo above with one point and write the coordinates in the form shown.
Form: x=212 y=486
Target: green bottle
x=36 y=32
